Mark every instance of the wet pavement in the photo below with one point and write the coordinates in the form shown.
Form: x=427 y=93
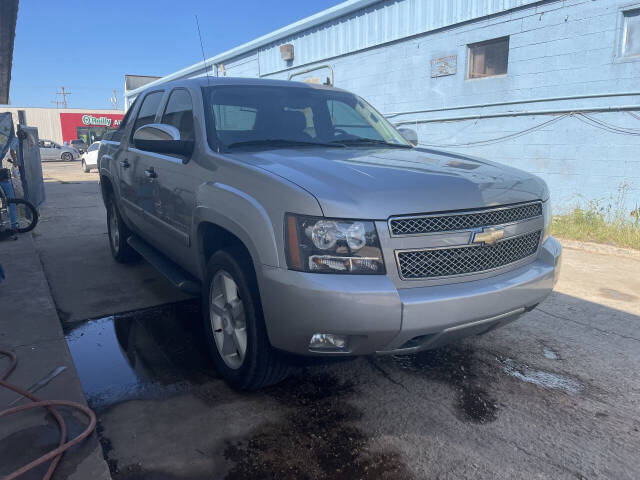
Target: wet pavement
x=151 y=353
x=555 y=394
x=516 y=403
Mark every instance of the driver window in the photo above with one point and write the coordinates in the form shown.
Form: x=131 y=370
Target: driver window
x=179 y=113
x=148 y=109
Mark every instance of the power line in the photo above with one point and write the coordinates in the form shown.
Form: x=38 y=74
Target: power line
x=637 y=117
x=582 y=117
x=605 y=126
x=501 y=139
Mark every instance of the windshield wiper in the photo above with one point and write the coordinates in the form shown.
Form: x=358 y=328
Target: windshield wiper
x=282 y=142
x=369 y=141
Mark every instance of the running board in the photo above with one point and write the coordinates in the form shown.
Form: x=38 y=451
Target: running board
x=175 y=274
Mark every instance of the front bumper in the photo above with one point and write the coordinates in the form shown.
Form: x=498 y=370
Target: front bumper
x=379 y=318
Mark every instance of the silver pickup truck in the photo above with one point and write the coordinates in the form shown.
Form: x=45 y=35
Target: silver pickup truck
x=310 y=225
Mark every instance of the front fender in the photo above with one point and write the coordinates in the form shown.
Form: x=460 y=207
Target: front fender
x=242 y=215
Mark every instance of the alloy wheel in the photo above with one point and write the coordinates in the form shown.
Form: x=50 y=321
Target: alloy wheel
x=228 y=319
x=114 y=230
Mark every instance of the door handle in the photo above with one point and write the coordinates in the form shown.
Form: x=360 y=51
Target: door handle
x=124 y=163
x=150 y=173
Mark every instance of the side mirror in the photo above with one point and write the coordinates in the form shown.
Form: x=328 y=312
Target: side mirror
x=162 y=138
x=409 y=135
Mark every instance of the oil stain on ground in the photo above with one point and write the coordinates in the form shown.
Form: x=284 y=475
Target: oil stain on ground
x=617 y=295
x=454 y=365
x=316 y=440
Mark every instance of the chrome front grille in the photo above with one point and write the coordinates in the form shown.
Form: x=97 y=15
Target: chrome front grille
x=460 y=260
x=421 y=224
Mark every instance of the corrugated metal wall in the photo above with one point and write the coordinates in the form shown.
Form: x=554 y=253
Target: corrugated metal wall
x=384 y=22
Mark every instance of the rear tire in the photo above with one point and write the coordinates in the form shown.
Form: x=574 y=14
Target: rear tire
x=238 y=318
x=118 y=234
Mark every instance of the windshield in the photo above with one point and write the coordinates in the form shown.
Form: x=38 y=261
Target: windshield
x=247 y=116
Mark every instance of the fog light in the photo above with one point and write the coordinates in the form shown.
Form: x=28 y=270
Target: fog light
x=328 y=341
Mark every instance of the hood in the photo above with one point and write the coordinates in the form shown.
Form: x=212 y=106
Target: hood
x=379 y=183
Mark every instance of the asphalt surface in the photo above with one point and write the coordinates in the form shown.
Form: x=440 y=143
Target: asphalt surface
x=554 y=395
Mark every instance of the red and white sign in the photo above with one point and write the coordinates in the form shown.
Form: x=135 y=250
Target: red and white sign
x=69 y=122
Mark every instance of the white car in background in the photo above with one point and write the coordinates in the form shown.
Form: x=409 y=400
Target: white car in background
x=90 y=157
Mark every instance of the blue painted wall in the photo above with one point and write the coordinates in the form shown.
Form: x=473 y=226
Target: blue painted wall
x=557 y=49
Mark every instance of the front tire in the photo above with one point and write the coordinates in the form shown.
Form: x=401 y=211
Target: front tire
x=84 y=167
x=118 y=234
x=234 y=323
x=67 y=157
x=26 y=213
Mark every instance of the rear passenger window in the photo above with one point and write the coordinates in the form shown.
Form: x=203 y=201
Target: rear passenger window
x=179 y=113
x=148 y=110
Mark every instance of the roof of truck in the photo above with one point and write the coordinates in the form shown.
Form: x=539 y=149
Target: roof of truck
x=217 y=81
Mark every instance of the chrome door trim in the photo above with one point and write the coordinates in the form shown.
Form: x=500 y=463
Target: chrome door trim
x=156 y=155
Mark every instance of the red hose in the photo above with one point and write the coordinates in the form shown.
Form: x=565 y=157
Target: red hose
x=56 y=454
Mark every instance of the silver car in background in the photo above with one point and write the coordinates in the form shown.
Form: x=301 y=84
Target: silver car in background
x=50 y=150
x=311 y=225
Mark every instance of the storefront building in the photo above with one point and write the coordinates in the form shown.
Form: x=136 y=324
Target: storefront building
x=89 y=127
x=65 y=124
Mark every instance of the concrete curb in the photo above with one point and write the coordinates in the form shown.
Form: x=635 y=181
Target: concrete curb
x=599 y=248
x=30 y=327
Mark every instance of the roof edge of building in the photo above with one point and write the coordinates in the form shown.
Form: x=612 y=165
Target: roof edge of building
x=332 y=13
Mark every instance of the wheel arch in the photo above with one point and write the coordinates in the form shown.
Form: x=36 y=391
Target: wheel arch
x=106 y=187
x=244 y=222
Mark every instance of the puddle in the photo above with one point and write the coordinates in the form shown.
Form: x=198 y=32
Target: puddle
x=617 y=295
x=550 y=354
x=316 y=440
x=455 y=365
x=144 y=354
x=541 y=378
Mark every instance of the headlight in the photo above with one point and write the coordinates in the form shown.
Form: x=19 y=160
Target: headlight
x=546 y=215
x=331 y=245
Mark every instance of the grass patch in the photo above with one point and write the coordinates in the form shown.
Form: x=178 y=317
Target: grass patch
x=602 y=222
x=580 y=225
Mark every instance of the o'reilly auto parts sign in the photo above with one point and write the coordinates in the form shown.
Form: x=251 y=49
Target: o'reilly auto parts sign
x=99 y=121
x=74 y=124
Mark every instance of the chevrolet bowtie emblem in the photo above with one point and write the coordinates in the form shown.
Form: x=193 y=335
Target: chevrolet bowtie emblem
x=488 y=235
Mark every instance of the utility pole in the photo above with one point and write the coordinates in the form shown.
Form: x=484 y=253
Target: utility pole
x=114 y=100
x=64 y=97
x=57 y=102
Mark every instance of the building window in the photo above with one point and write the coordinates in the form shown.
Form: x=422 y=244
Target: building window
x=631 y=33
x=489 y=59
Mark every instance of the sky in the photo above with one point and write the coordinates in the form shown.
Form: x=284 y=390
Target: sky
x=88 y=47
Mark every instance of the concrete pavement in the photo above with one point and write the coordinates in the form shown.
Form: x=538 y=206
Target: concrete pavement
x=72 y=241
x=29 y=327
